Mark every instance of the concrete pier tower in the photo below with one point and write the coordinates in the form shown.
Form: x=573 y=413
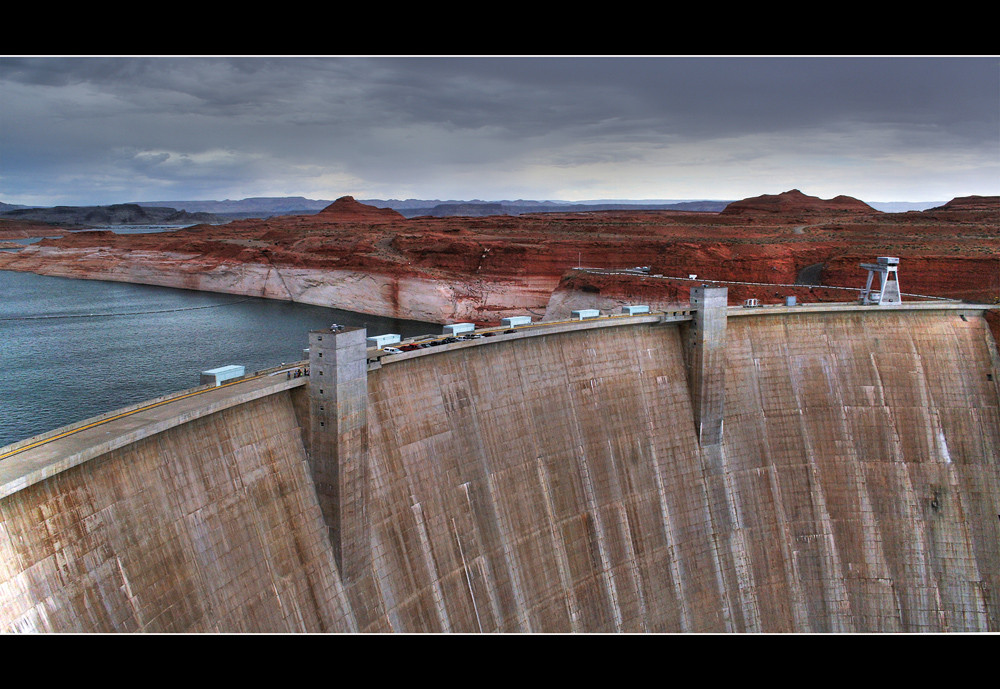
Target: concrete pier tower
x=338 y=399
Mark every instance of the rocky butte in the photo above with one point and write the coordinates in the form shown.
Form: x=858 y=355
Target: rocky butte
x=819 y=467
x=796 y=202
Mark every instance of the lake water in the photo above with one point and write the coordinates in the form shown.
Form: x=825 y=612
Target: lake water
x=71 y=349
x=117 y=229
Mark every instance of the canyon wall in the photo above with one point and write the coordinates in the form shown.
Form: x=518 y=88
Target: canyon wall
x=392 y=294
x=555 y=483
x=358 y=258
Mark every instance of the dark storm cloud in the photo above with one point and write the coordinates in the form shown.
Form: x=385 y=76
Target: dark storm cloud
x=206 y=127
x=703 y=95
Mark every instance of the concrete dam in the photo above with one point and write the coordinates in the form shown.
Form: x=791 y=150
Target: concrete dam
x=812 y=468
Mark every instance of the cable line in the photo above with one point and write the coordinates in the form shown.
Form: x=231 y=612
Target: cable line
x=122 y=313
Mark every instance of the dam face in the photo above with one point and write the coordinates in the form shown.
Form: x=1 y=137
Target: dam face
x=821 y=470
x=210 y=526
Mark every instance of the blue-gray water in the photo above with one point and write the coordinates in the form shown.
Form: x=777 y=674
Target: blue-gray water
x=72 y=349
x=117 y=229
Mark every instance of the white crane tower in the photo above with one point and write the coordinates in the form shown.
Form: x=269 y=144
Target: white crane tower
x=888 y=292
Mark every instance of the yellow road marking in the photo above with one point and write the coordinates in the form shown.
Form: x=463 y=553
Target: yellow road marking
x=128 y=413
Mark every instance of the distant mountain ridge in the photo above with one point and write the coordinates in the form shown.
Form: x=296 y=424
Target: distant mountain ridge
x=482 y=208
x=275 y=205
x=210 y=211
x=115 y=214
x=266 y=206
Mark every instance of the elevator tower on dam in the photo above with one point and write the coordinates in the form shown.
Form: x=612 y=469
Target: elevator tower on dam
x=810 y=468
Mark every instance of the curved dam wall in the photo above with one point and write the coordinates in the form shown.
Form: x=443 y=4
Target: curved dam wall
x=210 y=526
x=861 y=473
x=843 y=474
x=557 y=483
x=548 y=484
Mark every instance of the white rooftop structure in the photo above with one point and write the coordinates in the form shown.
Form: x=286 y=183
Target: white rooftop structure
x=455 y=328
x=381 y=341
x=216 y=376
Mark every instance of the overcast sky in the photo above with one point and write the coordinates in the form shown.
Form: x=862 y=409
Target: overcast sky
x=98 y=130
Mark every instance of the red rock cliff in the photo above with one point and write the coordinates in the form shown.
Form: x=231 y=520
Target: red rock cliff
x=372 y=260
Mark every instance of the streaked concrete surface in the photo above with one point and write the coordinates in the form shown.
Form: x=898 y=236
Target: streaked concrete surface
x=553 y=481
x=209 y=526
x=95 y=437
